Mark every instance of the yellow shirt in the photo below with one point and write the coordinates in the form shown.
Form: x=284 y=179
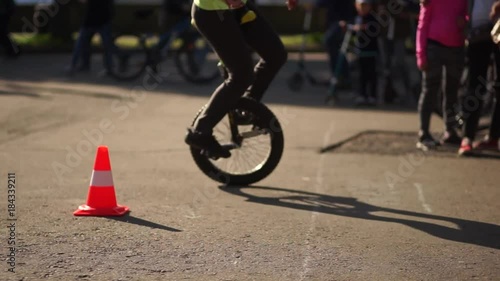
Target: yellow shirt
x=213 y=4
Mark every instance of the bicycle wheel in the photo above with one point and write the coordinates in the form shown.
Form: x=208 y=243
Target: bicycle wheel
x=130 y=58
x=195 y=60
x=256 y=145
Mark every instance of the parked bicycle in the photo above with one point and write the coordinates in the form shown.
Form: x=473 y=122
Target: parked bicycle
x=194 y=58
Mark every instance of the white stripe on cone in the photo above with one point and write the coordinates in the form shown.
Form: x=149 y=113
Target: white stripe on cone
x=101 y=179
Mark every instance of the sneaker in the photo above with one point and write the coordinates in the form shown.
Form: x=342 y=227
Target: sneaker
x=451 y=138
x=207 y=143
x=465 y=148
x=426 y=142
x=487 y=144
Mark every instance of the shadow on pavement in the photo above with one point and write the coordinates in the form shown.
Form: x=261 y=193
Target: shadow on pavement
x=466 y=231
x=16 y=93
x=138 y=221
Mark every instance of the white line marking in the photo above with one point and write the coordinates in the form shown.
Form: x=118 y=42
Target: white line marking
x=317 y=187
x=421 y=198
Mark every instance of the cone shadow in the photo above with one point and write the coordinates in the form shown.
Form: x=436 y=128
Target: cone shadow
x=142 y=222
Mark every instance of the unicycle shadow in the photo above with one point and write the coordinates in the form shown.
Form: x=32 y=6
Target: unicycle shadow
x=142 y=222
x=466 y=231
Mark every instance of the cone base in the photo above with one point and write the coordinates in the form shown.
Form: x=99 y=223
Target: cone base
x=85 y=210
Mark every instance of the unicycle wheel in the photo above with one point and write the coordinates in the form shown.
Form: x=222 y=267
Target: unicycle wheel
x=255 y=140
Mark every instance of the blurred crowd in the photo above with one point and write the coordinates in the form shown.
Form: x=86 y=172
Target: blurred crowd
x=449 y=36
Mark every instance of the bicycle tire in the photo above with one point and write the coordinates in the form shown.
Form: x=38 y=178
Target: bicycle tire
x=266 y=120
x=141 y=50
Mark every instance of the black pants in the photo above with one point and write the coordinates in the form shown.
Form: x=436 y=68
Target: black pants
x=231 y=41
x=5 y=41
x=368 y=76
x=452 y=60
x=479 y=57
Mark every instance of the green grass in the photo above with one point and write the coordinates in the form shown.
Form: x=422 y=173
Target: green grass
x=46 y=41
x=312 y=40
x=36 y=41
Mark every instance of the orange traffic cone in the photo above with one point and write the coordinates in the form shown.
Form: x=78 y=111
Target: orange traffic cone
x=101 y=199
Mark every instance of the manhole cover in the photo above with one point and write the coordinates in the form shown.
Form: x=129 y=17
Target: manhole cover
x=392 y=143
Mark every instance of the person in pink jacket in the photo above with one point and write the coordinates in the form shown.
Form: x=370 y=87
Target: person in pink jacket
x=440 y=45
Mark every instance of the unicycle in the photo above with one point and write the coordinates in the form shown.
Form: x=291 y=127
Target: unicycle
x=255 y=139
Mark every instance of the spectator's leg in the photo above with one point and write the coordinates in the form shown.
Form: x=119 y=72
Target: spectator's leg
x=5 y=40
x=84 y=36
x=386 y=58
x=400 y=63
x=333 y=41
x=479 y=55
x=107 y=42
x=431 y=84
x=494 y=133
x=372 y=77
x=387 y=48
x=454 y=66
x=87 y=49
x=364 y=76
x=4 y=35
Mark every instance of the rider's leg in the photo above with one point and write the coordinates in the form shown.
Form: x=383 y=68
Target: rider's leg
x=265 y=41
x=223 y=32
